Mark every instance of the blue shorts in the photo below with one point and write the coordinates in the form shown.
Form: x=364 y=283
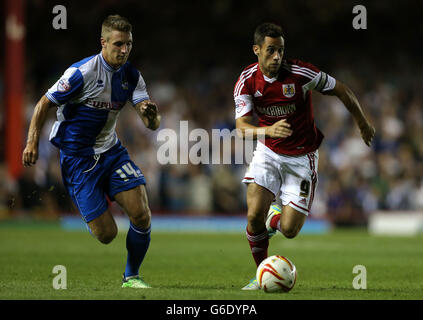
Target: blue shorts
x=89 y=179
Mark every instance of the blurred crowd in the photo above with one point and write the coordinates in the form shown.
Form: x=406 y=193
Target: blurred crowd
x=196 y=85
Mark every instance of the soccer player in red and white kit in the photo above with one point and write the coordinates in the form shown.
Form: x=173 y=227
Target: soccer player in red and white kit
x=285 y=162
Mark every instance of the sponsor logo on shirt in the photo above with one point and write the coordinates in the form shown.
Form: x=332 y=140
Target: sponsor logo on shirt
x=114 y=105
x=277 y=111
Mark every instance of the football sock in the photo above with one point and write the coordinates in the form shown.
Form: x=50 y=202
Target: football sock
x=258 y=245
x=137 y=242
x=275 y=222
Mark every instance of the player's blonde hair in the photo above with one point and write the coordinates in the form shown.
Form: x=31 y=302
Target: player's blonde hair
x=115 y=22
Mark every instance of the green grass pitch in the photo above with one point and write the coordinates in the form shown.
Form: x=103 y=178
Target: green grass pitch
x=203 y=266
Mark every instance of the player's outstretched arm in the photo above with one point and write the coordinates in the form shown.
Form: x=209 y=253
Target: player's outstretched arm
x=351 y=103
x=245 y=129
x=149 y=114
x=30 y=153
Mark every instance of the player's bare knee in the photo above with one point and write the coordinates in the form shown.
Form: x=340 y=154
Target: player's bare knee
x=255 y=220
x=142 y=218
x=141 y=222
x=107 y=236
x=289 y=232
x=253 y=217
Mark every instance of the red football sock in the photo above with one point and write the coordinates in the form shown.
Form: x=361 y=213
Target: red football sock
x=258 y=244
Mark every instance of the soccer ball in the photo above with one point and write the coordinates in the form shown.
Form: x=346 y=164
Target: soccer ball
x=276 y=273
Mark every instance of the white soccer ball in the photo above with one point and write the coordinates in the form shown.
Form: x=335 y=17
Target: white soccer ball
x=276 y=273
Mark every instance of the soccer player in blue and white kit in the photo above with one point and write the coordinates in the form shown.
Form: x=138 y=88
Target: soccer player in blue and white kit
x=94 y=164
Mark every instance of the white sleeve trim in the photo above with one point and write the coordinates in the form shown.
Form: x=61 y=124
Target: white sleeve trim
x=51 y=98
x=134 y=102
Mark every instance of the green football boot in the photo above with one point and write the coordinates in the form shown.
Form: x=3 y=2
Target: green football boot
x=274 y=210
x=134 y=282
x=253 y=285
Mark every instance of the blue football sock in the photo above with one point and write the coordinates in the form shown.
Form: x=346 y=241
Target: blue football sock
x=137 y=242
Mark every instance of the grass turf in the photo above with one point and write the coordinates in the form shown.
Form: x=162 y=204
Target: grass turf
x=206 y=266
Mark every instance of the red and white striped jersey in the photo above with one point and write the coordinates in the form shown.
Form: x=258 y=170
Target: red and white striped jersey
x=287 y=96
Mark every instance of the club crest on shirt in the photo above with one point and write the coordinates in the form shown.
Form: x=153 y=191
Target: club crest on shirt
x=63 y=85
x=288 y=90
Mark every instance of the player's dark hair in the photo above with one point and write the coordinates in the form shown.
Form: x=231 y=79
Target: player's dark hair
x=115 y=22
x=267 y=30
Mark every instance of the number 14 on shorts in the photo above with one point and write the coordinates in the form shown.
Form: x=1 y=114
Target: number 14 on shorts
x=128 y=170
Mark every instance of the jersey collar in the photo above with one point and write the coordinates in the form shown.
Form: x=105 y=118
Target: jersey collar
x=271 y=80
x=107 y=66
x=267 y=79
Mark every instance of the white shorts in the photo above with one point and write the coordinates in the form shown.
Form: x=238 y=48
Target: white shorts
x=293 y=178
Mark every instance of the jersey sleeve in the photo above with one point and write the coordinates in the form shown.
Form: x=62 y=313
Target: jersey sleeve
x=67 y=87
x=140 y=93
x=322 y=82
x=315 y=79
x=243 y=98
x=243 y=106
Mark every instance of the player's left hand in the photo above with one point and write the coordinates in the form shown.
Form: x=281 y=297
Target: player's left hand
x=367 y=132
x=149 y=110
x=30 y=154
x=150 y=114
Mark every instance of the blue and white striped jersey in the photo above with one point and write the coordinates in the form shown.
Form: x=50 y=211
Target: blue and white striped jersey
x=90 y=95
